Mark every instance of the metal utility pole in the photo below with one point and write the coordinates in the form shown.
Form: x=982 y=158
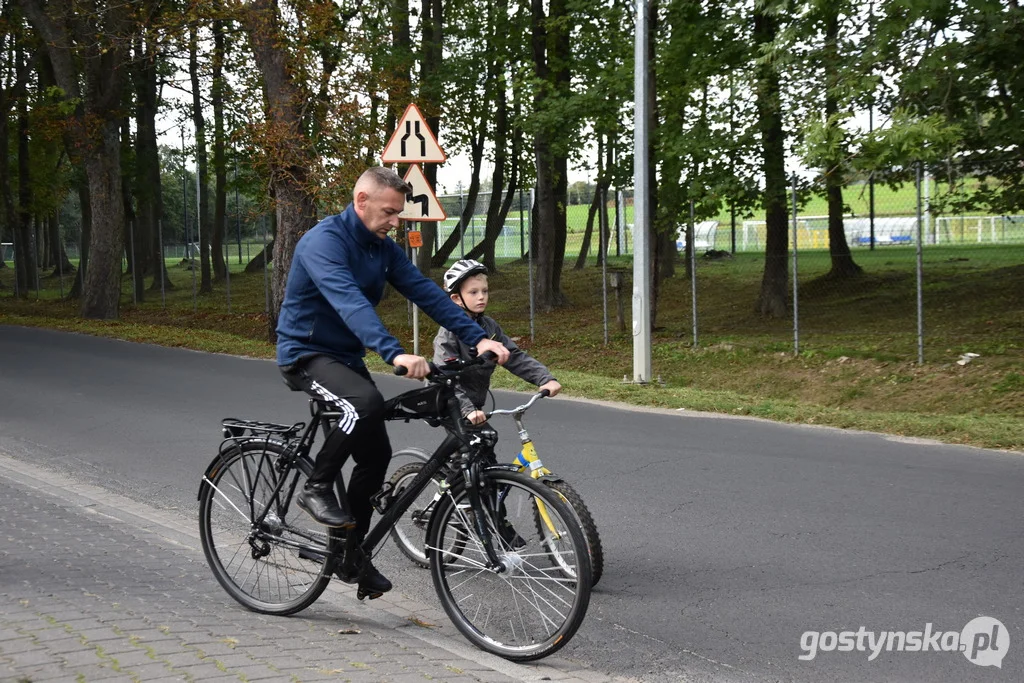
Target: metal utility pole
x=641 y=209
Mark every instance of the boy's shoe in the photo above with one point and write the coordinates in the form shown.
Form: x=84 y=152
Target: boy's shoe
x=319 y=501
x=509 y=534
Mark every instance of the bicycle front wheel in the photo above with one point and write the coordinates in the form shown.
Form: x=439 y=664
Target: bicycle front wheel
x=272 y=563
x=529 y=608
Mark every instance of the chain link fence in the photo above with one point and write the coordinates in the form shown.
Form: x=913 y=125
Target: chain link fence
x=905 y=271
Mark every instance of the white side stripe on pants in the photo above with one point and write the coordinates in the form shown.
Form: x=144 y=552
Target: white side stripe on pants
x=349 y=416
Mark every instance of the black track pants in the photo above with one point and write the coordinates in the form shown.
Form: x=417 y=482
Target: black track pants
x=360 y=431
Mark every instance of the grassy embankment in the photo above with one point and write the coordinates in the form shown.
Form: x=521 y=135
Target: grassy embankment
x=858 y=343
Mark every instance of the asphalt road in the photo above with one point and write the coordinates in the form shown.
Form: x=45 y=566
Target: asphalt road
x=726 y=540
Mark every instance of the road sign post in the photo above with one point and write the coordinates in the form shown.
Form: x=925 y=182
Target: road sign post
x=414 y=143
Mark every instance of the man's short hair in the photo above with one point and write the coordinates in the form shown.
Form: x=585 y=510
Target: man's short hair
x=381 y=177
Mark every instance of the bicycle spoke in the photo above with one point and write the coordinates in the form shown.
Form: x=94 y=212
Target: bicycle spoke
x=264 y=561
x=526 y=607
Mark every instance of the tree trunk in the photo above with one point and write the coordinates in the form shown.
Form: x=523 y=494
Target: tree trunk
x=772 y=299
x=431 y=96
x=85 y=203
x=203 y=226
x=469 y=209
x=496 y=220
x=843 y=265
x=220 y=196
x=400 y=85
x=25 y=267
x=98 y=48
x=289 y=171
x=102 y=284
x=134 y=238
x=258 y=262
x=595 y=210
x=148 y=185
x=10 y=217
x=58 y=254
x=550 y=49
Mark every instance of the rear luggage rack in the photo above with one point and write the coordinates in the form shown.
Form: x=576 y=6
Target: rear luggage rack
x=234 y=428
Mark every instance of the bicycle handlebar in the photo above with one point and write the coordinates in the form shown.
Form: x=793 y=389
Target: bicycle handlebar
x=543 y=393
x=453 y=367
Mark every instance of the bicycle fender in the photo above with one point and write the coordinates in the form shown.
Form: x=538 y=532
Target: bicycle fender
x=506 y=467
x=511 y=467
x=218 y=460
x=412 y=452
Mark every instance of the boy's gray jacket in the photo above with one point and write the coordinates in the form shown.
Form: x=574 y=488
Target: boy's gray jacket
x=476 y=381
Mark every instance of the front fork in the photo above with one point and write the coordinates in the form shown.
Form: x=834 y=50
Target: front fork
x=472 y=474
x=529 y=460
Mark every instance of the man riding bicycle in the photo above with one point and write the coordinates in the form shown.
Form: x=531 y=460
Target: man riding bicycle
x=327 y=321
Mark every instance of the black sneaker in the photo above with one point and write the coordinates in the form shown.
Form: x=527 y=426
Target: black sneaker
x=371 y=582
x=322 y=505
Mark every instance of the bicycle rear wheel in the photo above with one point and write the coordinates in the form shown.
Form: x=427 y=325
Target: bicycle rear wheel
x=531 y=608
x=278 y=566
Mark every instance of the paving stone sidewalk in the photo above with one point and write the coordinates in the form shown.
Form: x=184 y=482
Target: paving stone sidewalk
x=94 y=587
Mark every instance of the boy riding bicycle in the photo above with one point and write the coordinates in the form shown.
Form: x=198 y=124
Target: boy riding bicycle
x=466 y=284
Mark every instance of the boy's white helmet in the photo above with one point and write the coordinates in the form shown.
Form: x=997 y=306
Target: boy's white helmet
x=459 y=271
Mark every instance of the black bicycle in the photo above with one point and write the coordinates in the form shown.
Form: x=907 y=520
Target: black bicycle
x=512 y=587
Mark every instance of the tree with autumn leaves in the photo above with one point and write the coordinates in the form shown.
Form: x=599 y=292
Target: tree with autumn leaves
x=303 y=93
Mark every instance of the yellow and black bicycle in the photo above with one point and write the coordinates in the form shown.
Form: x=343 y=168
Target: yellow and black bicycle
x=409 y=532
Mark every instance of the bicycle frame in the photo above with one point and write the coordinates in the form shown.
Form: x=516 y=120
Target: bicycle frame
x=457 y=440
x=237 y=432
x=527 y=459
x=298 y=441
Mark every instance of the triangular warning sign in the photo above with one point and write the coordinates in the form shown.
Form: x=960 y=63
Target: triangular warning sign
x=412 y=141
x=421 y=204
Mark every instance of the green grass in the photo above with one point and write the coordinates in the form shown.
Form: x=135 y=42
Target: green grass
x=858 y=339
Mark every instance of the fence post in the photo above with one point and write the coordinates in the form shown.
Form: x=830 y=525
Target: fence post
x=732 y=226
x=135 y=274
x=227 y=272
x=522 y=232
x=163 y=262
x=462 y=227
x=530 y=261
x=266 y=283
x=184 y=210
x=796 y=298
x=238 y=223
x=61 y=253
x=603 y=247
x=14 y=261
x=693 y=270
x=34 y=262
x=920 y=274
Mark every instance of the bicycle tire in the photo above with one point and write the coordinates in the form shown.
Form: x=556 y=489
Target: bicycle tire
x=280 y=568
x=586 y=521
x=410 y=531
x=548 y=607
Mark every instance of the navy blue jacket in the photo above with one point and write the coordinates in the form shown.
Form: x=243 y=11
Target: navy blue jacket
x=337 y=277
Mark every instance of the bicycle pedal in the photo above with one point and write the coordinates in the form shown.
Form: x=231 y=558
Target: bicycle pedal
x=373 y=595
x=382 y=500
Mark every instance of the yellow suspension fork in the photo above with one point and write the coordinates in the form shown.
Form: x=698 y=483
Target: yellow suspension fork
x=529 y=460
